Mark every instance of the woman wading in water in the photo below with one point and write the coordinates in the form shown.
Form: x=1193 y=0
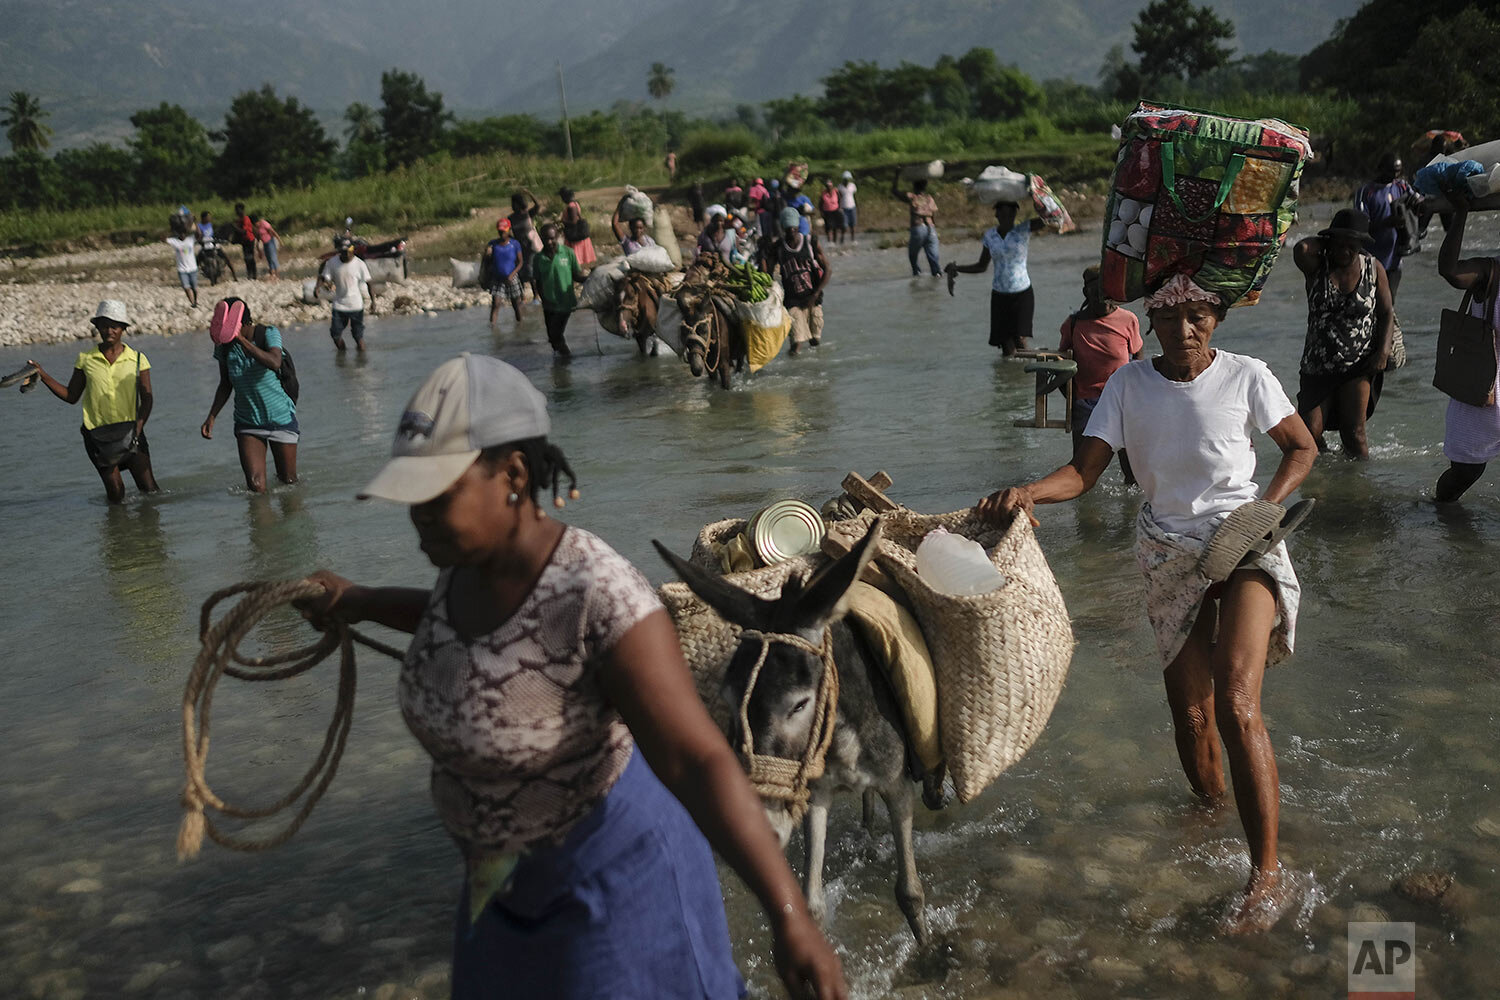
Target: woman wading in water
x=114 y=382
x=571 y=755
x=1351 y=328
x=1187 y=418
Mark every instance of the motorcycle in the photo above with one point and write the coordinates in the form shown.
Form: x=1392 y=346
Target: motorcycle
x=213 y=262
x=363 y=249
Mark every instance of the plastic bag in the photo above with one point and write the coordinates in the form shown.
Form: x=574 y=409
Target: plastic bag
x=312 y=294
x=387 y=269
x=661 y=231
x=997 y=184
x=650 y=260
x=598 y=290
x=465 y=273
x=922 y=171
x=636 y=205
x=1437 y=179
x=669 y=323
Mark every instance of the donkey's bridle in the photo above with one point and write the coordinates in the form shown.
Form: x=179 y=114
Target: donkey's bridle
x=786 y=779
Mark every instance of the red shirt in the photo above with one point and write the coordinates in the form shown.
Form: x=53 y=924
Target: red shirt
x=1100 y=346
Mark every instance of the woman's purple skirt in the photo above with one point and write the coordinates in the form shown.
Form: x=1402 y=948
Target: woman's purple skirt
x=627 y=906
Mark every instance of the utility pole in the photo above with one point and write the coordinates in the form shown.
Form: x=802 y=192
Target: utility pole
x=567 y=132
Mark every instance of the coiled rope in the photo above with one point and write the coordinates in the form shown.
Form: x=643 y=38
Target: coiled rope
x=786 y=779
x=219 y=655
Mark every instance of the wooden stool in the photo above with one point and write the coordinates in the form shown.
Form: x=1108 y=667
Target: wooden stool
x=1053 y=372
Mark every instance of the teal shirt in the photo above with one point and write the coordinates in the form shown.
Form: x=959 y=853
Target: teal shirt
x=555 y=276
x=259 y=399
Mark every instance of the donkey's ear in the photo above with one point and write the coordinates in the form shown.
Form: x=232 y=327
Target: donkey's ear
x=734 y=605
x=823 y=599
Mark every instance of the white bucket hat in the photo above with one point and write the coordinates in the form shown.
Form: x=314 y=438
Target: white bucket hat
x=112 y=309
x=468 y=404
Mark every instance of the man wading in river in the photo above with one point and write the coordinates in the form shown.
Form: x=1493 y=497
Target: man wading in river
x=804 y=275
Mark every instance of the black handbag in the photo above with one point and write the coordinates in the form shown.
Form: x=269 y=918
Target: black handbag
x=1466 y=352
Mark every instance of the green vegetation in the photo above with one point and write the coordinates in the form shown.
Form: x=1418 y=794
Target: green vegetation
x=433 y=191
x=408 y=163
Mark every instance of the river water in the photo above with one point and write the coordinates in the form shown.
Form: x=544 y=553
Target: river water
x=1087 y=870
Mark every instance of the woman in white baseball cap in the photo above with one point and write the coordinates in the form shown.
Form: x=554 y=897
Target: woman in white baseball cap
x=573 y=762
x=114 y=382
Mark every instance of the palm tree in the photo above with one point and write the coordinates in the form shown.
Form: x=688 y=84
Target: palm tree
x=364 y=123
x=23 y=122
x=659 y=81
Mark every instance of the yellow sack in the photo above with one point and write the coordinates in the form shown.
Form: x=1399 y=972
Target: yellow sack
x=896 y=639
x=762 y=343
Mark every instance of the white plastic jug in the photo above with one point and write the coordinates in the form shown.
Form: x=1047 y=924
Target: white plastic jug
x=957 y=566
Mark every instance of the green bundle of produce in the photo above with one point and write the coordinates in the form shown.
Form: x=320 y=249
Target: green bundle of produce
x=747 y=283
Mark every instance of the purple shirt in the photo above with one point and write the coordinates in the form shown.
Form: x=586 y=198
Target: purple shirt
x=1376 y=201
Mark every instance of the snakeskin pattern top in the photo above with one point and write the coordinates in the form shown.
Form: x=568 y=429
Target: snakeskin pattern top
x=523 y=741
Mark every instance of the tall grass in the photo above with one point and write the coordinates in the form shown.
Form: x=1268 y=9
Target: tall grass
x=433 y=191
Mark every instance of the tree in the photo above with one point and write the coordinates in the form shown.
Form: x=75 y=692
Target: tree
x=851 y=95
x=1008 y=93
x=659 y=82
x=23 y=122
x=364 y=146
x=92 y=175
x=271 y=143
x=1378 y=35
x=411 y=118
x=173 y=158
x=29 y=180
x=795 y=115
x=947 y=90
x=1176 y=40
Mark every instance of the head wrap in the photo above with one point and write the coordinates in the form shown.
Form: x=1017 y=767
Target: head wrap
x=1179 y=289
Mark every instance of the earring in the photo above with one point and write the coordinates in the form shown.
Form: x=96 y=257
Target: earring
x=513 y=499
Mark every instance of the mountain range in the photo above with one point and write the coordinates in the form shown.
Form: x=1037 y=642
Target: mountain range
x=92 y=62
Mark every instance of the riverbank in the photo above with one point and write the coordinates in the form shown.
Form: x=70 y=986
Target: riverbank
x=50 y=299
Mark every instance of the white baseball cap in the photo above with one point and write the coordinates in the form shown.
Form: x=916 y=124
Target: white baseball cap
x=113 y=310
x=468 y=404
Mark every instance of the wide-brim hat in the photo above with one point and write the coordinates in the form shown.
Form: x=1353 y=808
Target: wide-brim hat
x=112 y=310
x=468 y=404
x=1351 y=224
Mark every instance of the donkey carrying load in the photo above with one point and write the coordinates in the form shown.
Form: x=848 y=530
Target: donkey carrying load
x=812 y=710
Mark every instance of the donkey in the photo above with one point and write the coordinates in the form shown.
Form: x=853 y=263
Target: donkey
x=869 y=751
x=636 y=297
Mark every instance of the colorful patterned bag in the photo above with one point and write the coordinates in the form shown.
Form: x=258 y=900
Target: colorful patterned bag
x=1203 y=195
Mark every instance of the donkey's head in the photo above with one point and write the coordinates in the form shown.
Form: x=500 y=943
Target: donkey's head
x=781 y=707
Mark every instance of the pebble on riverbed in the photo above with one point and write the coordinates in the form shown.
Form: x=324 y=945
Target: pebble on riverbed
x=56 y=312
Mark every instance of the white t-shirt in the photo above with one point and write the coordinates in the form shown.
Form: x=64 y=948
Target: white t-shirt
x=1190 y=442
x=846 y=194
x=186 y=251
x=347 y=280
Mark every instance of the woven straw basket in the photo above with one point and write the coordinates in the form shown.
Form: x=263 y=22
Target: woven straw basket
x=1000 y=658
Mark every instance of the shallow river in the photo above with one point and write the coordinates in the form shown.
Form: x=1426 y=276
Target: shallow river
x=1087 y=870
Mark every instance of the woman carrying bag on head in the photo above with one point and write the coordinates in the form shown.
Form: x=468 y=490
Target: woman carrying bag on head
x=1471 y=438
x=572 y=761
x=114 y=382
x=265 y=415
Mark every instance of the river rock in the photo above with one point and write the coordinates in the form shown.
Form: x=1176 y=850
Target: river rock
x=58 y=984
x=433 y=983
x=1116 y=970
x=395 y=991
x=146 y=976
x=230 y=949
